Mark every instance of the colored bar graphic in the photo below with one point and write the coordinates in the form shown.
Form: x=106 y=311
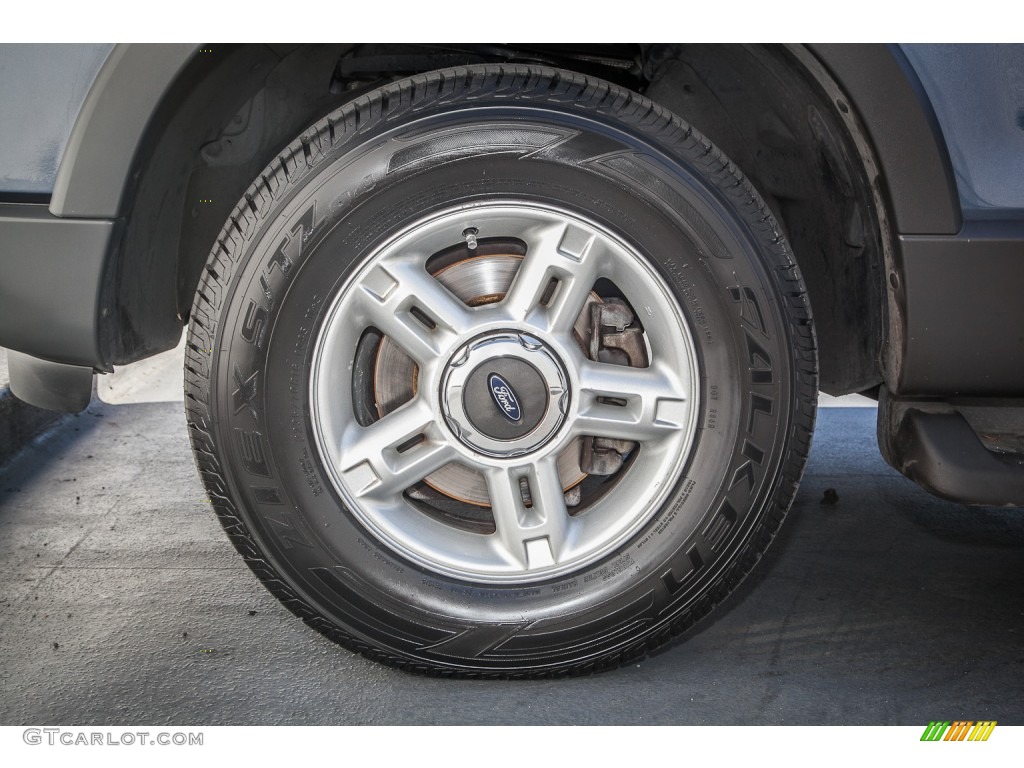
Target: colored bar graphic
x=935 y=730
x=982 y=730
x=958 y=730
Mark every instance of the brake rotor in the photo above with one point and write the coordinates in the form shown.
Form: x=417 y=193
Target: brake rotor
x=476 y=281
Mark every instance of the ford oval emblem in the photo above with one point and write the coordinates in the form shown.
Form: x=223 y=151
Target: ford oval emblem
x=504 y=397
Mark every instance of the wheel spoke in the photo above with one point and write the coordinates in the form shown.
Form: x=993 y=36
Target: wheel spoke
x=384 y=459
x=641 y=404
x=572 y=259
x=531 y=536
x=408 y=305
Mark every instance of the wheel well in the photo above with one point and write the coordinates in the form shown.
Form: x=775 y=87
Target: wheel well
x=226 y=115
x=238 y=105
x=767 y=113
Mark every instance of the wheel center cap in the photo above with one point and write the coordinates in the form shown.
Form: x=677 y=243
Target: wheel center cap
x=505 y=398
x=504 y=394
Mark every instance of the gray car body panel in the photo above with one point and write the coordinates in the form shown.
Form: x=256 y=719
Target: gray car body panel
x=977 y=92
x=50 y=295
x=111 y=128
x=42 y=89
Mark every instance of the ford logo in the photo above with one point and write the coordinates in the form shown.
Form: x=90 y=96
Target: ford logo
x=504 y=397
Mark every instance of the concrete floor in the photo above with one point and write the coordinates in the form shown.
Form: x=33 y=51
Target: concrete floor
x=121 y=601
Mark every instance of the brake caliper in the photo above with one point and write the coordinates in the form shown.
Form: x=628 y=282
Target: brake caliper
x=615 y=338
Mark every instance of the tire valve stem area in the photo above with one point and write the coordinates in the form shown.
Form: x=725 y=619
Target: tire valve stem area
x=470 y=234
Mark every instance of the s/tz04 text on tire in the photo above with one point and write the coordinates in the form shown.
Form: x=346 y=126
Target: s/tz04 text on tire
x=501 y=370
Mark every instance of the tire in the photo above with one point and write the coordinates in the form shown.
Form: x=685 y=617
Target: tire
x=501 y=371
